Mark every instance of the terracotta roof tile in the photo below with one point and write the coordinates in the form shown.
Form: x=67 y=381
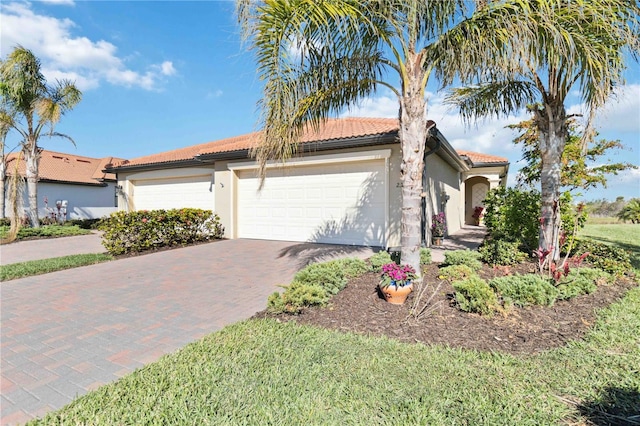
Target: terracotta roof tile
x=477 y=157
x=334 y=129
x=344 y=128
x=61 y=167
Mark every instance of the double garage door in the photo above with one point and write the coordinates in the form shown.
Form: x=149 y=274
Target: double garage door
x=340 y=203
x=174 y=193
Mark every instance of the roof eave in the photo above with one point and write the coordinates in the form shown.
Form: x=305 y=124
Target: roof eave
x=325 y=145
x=154 y=166
x=450 y=154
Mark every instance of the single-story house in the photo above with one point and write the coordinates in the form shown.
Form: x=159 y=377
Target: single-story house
x=89 y=191
x=343 y=187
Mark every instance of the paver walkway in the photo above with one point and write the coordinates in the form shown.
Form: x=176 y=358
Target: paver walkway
x=66 y=333
x=22 y=251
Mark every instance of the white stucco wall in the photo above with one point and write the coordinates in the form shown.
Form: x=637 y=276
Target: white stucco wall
x=444 y=181
x=84 y=201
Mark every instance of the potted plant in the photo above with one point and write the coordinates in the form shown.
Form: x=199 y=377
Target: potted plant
x=478 y=212
x=396 y=282
x=438 y=228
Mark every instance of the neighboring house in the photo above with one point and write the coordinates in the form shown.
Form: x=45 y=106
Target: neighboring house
x=81 y=181
x=344 y=187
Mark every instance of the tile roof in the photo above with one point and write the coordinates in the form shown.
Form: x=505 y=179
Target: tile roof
x=477 y=157
x=344 y=128
x=61 y=167
x=333 y=129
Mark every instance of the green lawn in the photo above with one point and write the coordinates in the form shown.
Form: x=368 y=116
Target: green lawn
x=46 y=231
x=37 y=267
x=265 y=372
x=626 y=236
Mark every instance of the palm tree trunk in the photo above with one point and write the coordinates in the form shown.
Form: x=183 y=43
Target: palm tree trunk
x=32 y=160
x=553 y=137
x=412 y=133
x=3 y=179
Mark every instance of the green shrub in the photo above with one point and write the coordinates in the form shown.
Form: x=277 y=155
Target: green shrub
x=456 y=273
x=525 y=290
x=463 y=257
x=46 y=231
x=83 y=223
x=134 y=232
x=329 y=276
x=296 y=296
x=475 y=295
x=352 y=267
x=379 y=259
x=611 y=259
x=425 y=256
x=582 y=281
x=500 y=252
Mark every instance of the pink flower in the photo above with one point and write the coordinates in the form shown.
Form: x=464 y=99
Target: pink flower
x=144 y=220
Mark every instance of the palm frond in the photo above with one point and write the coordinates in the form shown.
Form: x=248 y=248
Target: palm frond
x=492 y=99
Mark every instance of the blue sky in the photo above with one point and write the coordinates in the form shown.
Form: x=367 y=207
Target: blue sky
x=157 y=76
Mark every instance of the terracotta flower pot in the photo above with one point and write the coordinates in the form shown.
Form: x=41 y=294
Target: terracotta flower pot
x=396 y=295
x=437 y=241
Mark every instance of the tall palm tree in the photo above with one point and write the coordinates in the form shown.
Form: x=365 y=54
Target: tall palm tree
x=318 y=57
x=33 y=106
x=578 y=45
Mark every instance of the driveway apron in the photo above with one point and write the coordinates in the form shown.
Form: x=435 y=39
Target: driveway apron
x=69 y=332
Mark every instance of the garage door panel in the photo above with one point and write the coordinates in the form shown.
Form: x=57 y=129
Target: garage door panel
x=343 y=203
x=174 y=193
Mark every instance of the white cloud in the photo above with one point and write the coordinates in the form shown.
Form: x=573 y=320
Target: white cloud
x=214 y=94
x=488 y=135
x=79 y=58
x=59 y=2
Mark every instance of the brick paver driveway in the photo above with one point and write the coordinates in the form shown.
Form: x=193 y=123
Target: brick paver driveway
x=65 y=333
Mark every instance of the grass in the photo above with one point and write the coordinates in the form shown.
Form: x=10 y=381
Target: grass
x=626 y=236
x=603 y=220
x=37 y=267
x=46 y=231
x=266 y=372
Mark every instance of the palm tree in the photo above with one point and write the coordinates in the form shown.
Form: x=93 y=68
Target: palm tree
x=581 y=48
x=31 y=106
x=318 y=57
x=631 y=211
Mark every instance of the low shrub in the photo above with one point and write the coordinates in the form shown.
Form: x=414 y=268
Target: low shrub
x=463 y=257
x=352 y=267
x=611 y=259
x=425 y=256
x=456 y=273
x=475 y=295
x=581 y=281
x=46 y=231
x=379 y=259
x=134 y=232
x=83 y=223
x=500 y=252
x=315 y=284
x=525 y=290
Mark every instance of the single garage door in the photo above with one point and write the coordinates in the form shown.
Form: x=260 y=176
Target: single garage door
x=174 y=193
x=340 y=203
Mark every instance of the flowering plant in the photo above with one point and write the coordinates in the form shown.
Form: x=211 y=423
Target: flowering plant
x=438 y=225
x=477 y=212
x=396 y=275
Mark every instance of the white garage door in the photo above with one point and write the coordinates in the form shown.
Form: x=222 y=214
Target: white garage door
x=340 y=203
x=174 y=193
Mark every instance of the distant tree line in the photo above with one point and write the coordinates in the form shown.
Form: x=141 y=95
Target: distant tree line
x=605 y=208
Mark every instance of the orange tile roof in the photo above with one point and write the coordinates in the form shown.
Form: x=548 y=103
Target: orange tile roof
x=333 y=129
x=477 y=157
x=62 y=167
x=344 y=128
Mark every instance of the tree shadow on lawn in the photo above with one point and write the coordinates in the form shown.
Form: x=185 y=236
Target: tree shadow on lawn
x=614 y=407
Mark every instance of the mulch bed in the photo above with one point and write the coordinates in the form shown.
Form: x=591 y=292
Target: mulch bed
x=359 y=308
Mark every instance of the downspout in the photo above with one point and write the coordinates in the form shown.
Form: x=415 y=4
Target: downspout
x=423 y=212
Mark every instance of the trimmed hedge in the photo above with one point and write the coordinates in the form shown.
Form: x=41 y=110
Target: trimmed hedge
x=611 y=259
x=135 y=232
